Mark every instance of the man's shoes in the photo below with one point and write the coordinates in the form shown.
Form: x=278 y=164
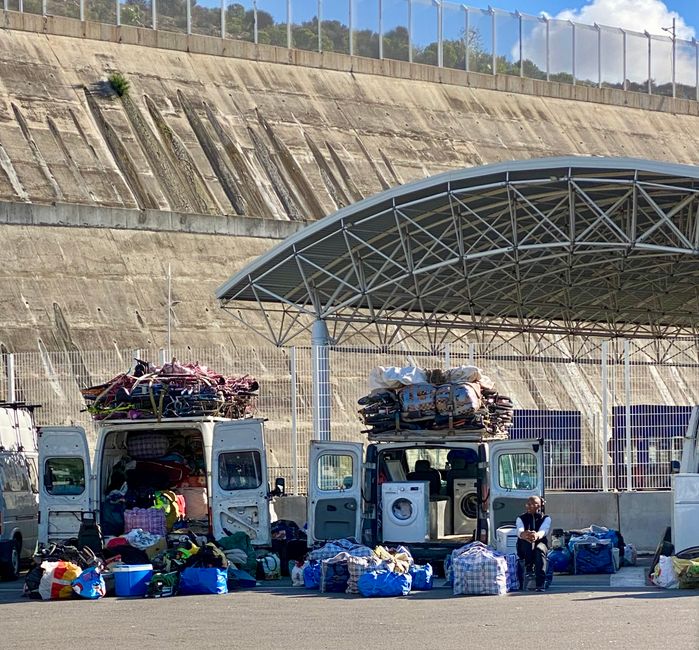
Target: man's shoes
x=540 y=589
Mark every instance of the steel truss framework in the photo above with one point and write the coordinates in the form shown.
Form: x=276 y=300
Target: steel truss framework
x=558 y=249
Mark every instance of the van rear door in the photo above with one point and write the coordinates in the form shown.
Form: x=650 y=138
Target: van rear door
x=515 y=472
x=239 y=482
x=65 y=493
x=334 y=490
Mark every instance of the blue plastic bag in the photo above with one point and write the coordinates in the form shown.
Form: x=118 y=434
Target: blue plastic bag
x=196 y=580
x=384 y=583
x=90 y=584
x=559 y=560
x=311 y=575
x=422 y=577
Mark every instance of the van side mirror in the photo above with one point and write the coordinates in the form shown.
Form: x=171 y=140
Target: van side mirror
x=674 y=467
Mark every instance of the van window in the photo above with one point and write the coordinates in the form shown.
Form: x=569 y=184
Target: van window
x=335 y=472
x=518 y=471
x=13 y=474
x=239 y=470
x=64 y=476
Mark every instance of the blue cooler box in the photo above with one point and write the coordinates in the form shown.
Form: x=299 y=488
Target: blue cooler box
x=131 y=579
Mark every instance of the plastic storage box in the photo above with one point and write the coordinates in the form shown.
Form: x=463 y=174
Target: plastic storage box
x=131 y=579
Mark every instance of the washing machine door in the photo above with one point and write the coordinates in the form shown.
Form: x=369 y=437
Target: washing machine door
x=402 y=510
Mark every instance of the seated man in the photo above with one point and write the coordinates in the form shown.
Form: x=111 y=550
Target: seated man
x=532 y=542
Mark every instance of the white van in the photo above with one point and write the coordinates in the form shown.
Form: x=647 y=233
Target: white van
x=431 y=490
x=226 y=490
x=18 y=487
x=685 y=490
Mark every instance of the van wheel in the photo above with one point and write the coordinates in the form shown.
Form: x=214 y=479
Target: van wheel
x=10 y=570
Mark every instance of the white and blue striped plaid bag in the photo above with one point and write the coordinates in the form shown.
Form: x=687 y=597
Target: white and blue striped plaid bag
x=332 y=548
x=480 y=570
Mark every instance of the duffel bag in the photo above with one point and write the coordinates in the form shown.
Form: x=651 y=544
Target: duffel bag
x=384 y=583
x=195 y=580
x=422 y=576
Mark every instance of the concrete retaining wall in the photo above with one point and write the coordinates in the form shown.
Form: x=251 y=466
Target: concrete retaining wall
x=640 y=516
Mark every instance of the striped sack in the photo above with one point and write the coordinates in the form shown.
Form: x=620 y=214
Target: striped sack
x=480 y=571
x=151 y=520
x=357 y=567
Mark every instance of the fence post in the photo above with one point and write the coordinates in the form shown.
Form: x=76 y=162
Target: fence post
x=447 y=356
x=154 y=13
x=44 y=7
x=650 y=84
x=471 y=354
x=351 y=27
x=599 y=55
x=467 y=35
x=288 y=24
x=573 y=43
x=294 y=425
x=493 y=36
x=410 y=31
x=319 y=14
x=320 y=352
x=82 y=9
x=623 y=55
x=223 y=19
x=11 y=379
x=605 y=416
x=256 y=26
x=440 y=34
x=548 y=48
x=118 y=13
x=380 y=29
x=521 y=46
x=189 y=16
x=627 y=404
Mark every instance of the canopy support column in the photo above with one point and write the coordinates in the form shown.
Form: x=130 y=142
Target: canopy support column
x=320 y=358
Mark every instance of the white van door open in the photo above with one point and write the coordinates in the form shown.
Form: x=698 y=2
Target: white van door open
x=65 y=493
x=334 y=490
x=516 y=472
x=239 y=488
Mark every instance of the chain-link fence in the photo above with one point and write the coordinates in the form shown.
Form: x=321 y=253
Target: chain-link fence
x=432 y=32
x=611 y=420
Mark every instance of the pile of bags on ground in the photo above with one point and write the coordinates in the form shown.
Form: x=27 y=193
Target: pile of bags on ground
x=173 y=390
x=676 y=572
x=140 y=563
x=591 y=550
x=414 y=398
x=347 y=567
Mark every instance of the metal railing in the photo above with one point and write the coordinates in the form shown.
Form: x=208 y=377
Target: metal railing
x=612 y=421
x=432 y=32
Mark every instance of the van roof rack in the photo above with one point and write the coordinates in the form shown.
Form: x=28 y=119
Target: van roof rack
x=410 y=435
x=19 y=405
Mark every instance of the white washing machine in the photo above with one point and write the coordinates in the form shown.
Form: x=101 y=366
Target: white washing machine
x=405 y=511
x=465 y=506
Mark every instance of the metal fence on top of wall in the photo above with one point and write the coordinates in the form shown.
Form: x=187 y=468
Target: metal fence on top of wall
x=433 y=32
x=612 y=421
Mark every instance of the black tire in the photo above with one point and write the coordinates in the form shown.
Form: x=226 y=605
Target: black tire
x=10 y=570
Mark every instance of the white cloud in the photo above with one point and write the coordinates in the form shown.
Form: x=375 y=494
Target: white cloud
x=632 y=15
x=637 y=15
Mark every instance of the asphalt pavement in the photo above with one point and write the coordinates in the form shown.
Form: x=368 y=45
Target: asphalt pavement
x=596 y=611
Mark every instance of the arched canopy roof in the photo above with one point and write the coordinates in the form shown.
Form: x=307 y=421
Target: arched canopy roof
x=573 y=245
